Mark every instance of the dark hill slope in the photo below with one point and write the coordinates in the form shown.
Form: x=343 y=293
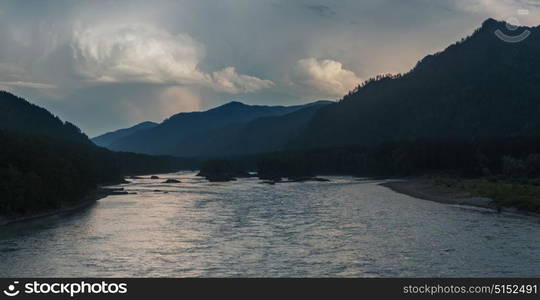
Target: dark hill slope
x=266 y=134
x=178 y=131
x=17 y=114
x=47 y=164
x=109 y=138
x=480 y=87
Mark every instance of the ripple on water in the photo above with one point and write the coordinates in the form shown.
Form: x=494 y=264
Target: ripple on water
x=343 y=228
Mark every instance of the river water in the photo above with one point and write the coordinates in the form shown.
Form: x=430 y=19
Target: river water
x=342 y=228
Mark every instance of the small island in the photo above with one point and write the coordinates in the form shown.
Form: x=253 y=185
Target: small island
x=170 y=180
x=221 y=170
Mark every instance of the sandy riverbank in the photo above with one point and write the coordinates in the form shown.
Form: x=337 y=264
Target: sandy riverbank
x=427 y=190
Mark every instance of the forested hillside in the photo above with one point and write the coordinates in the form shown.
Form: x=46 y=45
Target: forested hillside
x=480 y=87
x=46 y=163
x=262 y=135
x=17 y=114
x=206 y=132
x=109 y=138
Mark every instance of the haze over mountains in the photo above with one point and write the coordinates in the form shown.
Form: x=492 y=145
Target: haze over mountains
x=477 y=102
x=479 y=87
x=105 y=140
x=217 y=131
x=263 y=135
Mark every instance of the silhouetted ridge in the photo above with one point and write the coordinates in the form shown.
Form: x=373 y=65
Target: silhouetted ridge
x=265 y=134
x=17 y=114
x=480 y=87
x=231 y=104
x=107 y=139
x=202 y=133
x=47 y=164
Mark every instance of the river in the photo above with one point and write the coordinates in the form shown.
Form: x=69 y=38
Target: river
x=342 y=228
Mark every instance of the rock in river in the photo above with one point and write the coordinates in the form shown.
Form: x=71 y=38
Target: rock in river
x=171 y=181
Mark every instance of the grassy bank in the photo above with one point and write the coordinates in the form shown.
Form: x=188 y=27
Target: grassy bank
x=522 y=194
x=500 y=194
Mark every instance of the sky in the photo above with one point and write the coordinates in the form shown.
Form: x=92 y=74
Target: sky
x=109 y=64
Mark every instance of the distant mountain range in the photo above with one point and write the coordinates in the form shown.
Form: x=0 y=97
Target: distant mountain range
x=233 y=128
x=105 y=140
x=472 y=108
x=262 y=135
x=479 y=87
x=477 y=103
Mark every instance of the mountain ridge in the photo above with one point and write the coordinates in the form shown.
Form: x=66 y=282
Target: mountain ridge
x=17 y=114
x=479 y=87
x=167 y=137
x=48 y=165
x=106 y=139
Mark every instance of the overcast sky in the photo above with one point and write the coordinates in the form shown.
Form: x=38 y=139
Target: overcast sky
x=107 y=64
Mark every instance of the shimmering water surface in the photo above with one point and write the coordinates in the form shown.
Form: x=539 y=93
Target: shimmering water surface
x=340 y=228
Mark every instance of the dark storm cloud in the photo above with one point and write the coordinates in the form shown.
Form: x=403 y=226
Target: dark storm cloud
x=321 y=10
x=106 y=64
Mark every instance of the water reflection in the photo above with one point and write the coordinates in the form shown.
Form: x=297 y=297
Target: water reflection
x=243 y=228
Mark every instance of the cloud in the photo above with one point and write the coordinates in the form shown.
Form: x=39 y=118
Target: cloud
x=148 y=54
x=227 y=80
x=321 y=10
x=33 y=85
x=325 y=76
x=136 y=53
x=166 y=100
x=526 y=12
x=156 y=58
x=11 y=73
x=176 y=98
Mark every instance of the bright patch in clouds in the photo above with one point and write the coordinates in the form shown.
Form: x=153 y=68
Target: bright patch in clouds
x=33 y=85
x=146 y=53
x=227 y=80
x=326 y=76
x=146 y=60
x=525 y=12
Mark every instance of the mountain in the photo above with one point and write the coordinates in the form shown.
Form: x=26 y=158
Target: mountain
x=48 y=164
x=109 y=138
x=265 y=134
x=17 y=114
x=181 y=130
x=480 y=87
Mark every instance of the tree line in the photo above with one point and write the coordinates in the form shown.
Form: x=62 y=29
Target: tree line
x=517 y=157
x=39 y=172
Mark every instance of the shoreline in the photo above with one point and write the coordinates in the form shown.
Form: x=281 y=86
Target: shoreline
x=100 y=192
x=88 y=200
x=425 y=189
